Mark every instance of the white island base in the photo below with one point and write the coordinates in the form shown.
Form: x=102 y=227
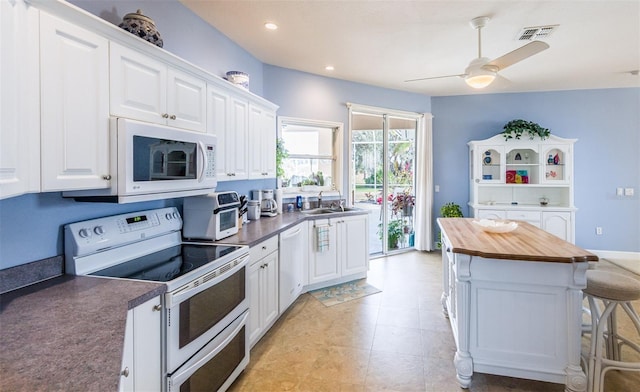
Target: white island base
x=513 y=317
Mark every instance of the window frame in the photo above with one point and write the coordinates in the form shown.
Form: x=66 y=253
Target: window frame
x=337 y=149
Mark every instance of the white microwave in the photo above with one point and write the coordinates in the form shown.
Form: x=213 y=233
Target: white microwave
x=151 y=162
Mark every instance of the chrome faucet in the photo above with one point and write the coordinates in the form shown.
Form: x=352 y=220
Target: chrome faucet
x=320 y=199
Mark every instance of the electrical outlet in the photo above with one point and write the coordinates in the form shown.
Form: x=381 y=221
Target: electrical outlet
x=437 y=188
x=598 y=230
x=619 y=192
x=628 y=191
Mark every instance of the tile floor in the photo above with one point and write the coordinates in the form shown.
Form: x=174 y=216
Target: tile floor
x=396 y=340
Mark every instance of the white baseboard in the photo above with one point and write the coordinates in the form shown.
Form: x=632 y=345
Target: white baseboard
x=614 y=254
x=629 y=261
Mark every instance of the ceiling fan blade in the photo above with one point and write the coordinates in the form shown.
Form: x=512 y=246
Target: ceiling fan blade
x=436 y=77
x=517 y=55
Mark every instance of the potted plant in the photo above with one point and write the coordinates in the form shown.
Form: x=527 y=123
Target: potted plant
x=403 y=202
x=448 y=210
x=395 y=230
x=516 y=128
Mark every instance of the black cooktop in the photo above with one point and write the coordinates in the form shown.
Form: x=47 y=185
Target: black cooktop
x=168 y=264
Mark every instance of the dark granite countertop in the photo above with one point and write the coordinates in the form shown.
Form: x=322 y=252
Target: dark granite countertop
x=67 y=333
x=264 y=228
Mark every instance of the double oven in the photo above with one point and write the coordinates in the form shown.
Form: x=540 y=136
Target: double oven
x=205 y=309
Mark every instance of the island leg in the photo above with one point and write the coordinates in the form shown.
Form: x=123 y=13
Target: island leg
x=576 y=379
x=464 y=368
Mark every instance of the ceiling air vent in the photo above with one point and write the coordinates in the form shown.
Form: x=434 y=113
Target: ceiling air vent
x=535 y=33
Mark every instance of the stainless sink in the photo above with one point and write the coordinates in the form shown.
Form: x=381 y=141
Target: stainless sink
x=332 y=210
x=318 y=211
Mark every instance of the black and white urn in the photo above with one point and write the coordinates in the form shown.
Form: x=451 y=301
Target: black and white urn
x=142 y=26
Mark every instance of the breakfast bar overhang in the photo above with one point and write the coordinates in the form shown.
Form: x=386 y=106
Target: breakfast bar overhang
x=514 y=301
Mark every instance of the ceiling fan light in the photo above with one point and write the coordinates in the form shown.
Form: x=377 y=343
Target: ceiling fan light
x=480 y=81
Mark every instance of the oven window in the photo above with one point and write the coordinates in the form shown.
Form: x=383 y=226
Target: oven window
x=228 y=219
x=205 y=309
x=159 y=159
x=214 y=373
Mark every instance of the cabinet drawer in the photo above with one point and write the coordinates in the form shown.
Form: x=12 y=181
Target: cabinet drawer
x=259 y=251
x=530 y=216
x=491 y=214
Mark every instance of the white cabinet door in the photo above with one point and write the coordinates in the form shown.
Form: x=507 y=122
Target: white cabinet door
x=186 y=101
x=254 y=326
x=353 y=250
x=270 y=292
x=558 y=223
x=293 y=256
x=263 y=296
x=74 y=106
x=141 y=360
x=262 y=145
x=323 y=265
x=138 y=85
x=236 y=140
x=146 y=89
x=19 y=99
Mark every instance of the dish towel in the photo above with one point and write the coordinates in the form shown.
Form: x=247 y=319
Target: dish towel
x=322 y=238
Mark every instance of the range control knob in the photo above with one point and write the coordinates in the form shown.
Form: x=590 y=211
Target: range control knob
x=176 y=215
x=84 y=233
x=168 y=216
x=99 y=230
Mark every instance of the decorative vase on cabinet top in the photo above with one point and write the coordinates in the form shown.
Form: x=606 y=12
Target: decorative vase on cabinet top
x=142 y=26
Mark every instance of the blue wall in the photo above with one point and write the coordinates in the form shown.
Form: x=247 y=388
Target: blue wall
x=607 y=154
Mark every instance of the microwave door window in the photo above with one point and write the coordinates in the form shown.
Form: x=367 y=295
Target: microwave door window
x=158 y=159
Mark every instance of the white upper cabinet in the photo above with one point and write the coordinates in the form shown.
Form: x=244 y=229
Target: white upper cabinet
x=262 y=148
x=74 y=106
x=146 y=89
x=19 y=99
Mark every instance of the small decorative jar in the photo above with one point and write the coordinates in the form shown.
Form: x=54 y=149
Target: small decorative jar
x=142 y=26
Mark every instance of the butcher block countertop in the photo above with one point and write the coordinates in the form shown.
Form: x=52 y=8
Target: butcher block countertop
x=526 y=242
x=67 y=333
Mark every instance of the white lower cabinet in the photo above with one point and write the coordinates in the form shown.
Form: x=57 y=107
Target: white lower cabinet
x=353 y=244
x=74 y=106
x=323 y=262
x=263 y=288
x=558 y=223
x=346 y=253
x=141 y=367
x=293 y=257
x=19 y=99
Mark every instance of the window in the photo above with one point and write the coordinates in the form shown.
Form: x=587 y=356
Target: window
x=313 y=150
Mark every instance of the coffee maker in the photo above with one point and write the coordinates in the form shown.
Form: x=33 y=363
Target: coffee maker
x=268 y=206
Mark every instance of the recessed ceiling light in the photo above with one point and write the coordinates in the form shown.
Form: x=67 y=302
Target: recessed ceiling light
x=329 y=68
x=271 y=26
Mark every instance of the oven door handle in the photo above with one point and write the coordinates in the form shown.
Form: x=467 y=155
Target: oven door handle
x=231 y=332
x=190 y=289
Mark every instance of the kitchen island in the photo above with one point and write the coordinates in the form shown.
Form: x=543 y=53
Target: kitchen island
x=514 y=302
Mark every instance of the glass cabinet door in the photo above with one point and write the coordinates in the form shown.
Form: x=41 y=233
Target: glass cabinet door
x=555 y=165
x=490 y=162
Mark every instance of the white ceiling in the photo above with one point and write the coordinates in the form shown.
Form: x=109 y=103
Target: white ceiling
x=383 y=43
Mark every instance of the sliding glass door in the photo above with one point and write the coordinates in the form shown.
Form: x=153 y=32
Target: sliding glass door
x=382 y=177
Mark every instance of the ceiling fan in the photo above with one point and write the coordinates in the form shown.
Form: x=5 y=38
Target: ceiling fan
x=482 y=71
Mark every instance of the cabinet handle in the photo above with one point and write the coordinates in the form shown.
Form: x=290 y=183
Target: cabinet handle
x=106 y=177
x=173 y=117
x=125 y=372
x=157 y=307
x=165 y=115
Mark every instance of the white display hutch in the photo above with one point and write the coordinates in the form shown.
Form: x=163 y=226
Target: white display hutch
x=511 y=179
